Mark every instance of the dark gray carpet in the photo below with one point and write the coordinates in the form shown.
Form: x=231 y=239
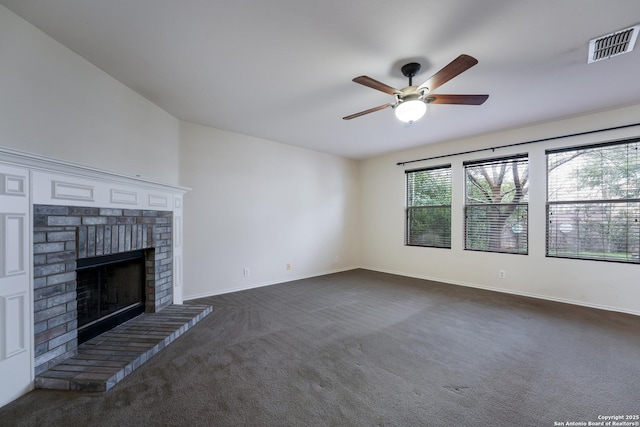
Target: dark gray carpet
x=369 y=349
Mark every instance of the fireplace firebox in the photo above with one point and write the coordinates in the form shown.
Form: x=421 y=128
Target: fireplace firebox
x=110 y=291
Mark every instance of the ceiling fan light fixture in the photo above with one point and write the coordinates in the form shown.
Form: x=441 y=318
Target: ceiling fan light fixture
x=410 y=110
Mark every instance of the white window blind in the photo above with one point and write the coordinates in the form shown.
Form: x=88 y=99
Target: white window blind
x=593 y=202
x=496 y=206
x=428 y=215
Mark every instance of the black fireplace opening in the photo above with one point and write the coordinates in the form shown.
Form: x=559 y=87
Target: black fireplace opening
x=110 y=291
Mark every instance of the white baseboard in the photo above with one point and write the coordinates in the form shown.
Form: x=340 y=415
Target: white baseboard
x=261 y=284
x=423 y=277
x=508 y=291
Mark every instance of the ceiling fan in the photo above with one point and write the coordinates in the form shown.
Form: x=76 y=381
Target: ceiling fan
x=410 y=103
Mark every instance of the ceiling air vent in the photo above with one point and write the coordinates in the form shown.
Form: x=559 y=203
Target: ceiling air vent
x=613 y=44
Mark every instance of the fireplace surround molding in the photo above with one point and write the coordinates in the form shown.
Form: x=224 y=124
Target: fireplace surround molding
x=52 y=213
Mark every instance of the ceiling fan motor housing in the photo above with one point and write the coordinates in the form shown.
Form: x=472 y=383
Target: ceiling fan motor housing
x=410 y=70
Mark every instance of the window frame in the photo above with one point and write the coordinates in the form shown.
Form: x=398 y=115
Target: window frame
x=409 y=208
x=623 y=205
x=521 y=236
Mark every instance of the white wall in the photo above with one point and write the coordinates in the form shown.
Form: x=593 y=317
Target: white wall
x=55 y=103
x=257 y=204
x=260 y=205
x=600 y=284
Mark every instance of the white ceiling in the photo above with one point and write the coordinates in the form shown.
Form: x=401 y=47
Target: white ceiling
x=282 y=69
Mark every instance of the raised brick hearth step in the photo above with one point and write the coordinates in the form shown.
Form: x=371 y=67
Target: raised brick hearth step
x=105 y=360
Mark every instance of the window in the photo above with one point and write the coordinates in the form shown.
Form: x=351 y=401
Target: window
x=593 y=202
x=496 y=209
x=429 y=207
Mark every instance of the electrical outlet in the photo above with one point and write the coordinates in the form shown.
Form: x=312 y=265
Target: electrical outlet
x=502 y=274
x=246 y=272
x=288 y=266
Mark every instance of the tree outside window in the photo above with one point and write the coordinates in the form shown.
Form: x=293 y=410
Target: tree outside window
x=428 y=215
x=593 y=202
x=496 y=207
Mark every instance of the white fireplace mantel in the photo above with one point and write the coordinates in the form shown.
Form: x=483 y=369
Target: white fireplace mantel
x=29 y=179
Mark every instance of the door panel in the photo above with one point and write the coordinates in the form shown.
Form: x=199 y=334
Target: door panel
x=16 y=371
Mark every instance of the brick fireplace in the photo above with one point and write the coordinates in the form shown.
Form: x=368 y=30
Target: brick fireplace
x=64 y=234
x=57 y=217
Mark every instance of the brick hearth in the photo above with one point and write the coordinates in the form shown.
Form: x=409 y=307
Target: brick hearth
x=104 y=361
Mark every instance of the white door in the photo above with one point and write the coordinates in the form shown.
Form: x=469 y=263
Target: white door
x=16 y=374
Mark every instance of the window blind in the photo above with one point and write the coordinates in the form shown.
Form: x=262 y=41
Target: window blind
x=496 y=205
x=593 y=202
x=428 y=213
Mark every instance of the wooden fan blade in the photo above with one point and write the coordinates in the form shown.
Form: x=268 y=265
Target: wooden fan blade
x=457 y=66
x=374 y=84
x=457 y=99
x=370 y=110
